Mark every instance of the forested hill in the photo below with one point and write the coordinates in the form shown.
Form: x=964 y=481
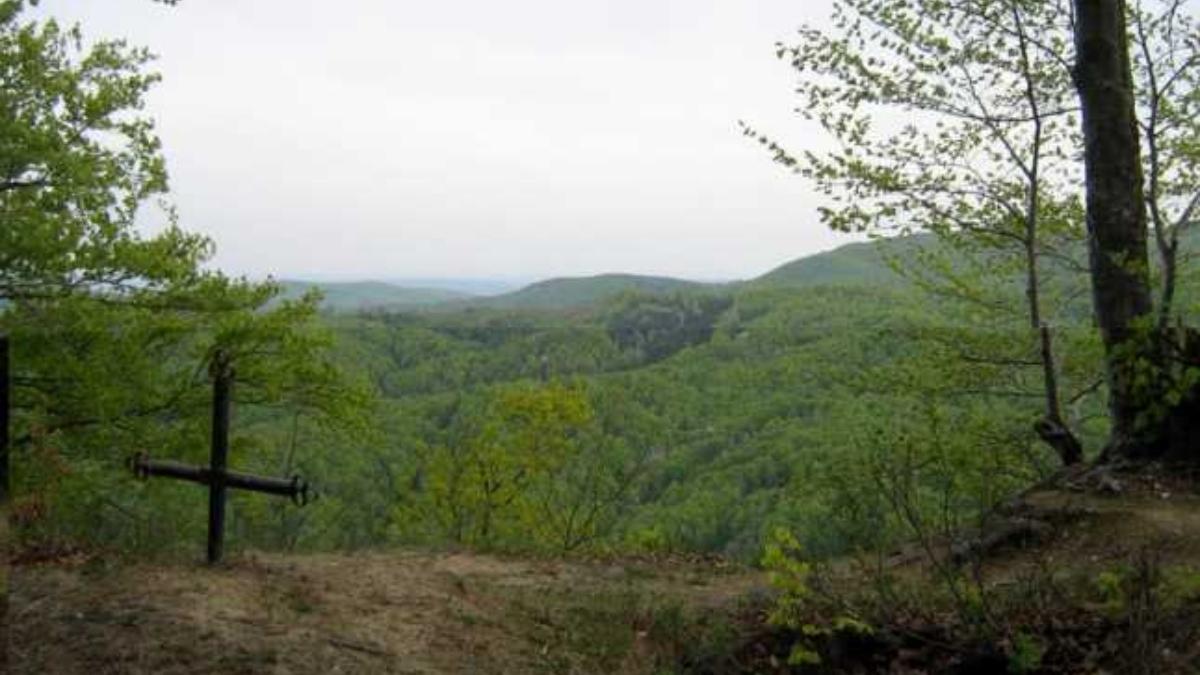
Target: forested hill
x=858 y=263
x=577 y=292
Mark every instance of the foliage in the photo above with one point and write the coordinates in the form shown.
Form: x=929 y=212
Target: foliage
x=827 y=397
x=789 y=574
x=112 y=330
x=583 y=292
x=822 y=410
x=1027 y=654
x=529 y=470
x=985 y=163
x=656 y=327
x=79 y=160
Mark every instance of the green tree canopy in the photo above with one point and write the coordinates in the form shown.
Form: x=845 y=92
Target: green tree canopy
x=79 y=157
x=112 y=329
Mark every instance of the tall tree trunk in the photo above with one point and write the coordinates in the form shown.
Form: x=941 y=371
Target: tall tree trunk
x=1116 y=214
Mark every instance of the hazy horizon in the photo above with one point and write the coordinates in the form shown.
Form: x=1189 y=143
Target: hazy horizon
x=465 y=140
x=516 y=281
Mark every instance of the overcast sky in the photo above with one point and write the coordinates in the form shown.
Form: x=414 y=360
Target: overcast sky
x=475 y=138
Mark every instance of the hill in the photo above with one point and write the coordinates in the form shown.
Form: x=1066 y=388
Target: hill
x=472 y=286
x=857 y=263
x=578 y=292
x=361 y=295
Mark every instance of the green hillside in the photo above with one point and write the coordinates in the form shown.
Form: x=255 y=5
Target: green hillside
x=853 y=263
x=363 y=295
x=856 y=263
x=579 y=292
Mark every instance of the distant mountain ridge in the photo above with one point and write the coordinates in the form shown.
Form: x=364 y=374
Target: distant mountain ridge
x=484 y=286
x=576 y=292
x=363 y=295
x=858 y=263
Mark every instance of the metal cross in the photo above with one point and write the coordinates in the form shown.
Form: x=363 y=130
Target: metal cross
x=217 y=476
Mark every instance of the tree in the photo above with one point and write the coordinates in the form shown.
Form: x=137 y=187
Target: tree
x=78 y=160
x=112 y=330
x=982 y=163
x=654 y=327
x=1166 y=53
x=1116 y=207
x=986 y=161
x=1130 y=60
x=521 y=477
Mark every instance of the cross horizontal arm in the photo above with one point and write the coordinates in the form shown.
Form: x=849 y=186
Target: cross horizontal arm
x=293 y=488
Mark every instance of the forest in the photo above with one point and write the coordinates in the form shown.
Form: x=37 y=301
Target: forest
x=1014 y=317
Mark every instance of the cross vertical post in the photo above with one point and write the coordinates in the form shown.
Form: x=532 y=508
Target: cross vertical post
x=5 y=480
x=222 y=375
x=5 y=486
x=217 y=476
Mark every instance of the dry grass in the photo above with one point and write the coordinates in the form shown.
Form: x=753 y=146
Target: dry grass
x=1109 y=583
x=369 y=613
x=411 y=612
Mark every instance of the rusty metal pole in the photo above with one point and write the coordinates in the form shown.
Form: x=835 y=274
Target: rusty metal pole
x=5 y=479
x=222 y=376
x=294 y=488
x=5 y=487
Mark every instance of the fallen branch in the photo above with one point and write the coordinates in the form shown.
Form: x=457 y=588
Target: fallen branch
x=359 y=647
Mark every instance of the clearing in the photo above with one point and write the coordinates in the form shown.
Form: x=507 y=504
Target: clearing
x=372 y=613
x=1065 y=579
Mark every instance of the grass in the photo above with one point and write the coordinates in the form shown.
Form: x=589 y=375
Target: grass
x=1111 y=585
x=379 y=612
x=1114 y=586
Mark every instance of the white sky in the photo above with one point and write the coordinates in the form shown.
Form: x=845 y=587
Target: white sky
x=475 y=138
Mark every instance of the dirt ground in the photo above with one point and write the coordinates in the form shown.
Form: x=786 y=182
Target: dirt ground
x=369 y=613
x=412 y=612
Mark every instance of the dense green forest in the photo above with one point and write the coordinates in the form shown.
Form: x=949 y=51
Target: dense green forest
x=1012 y=311
x=694 y=419
x=609 y=413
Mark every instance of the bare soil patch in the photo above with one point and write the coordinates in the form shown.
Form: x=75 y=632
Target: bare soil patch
x=367 y=613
